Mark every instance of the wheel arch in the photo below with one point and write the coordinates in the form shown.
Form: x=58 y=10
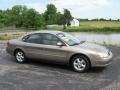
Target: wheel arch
x=70 y=59
x=17 y=49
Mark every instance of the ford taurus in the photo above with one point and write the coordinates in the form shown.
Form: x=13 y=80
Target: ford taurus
x=59 y=46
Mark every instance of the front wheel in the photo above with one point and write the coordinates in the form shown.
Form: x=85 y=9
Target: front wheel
x=80 y=63
x=20 y=56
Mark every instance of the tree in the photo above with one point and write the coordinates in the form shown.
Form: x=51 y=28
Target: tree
x=50 y=14
x=29 y=18
x=59 y=18
x=86 y=19
x=67 y=17
x=22 y=17
x=6 y=18
x=17 y=13
x=1 y=19
x=118 y=20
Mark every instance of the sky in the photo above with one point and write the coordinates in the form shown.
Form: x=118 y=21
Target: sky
x=79 y=8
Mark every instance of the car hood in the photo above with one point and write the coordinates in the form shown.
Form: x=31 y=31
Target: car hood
x=93 y=47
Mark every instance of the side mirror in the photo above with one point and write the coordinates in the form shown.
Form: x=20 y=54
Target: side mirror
x=59 y=44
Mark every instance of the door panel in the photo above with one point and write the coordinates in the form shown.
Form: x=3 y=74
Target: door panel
x=33 y=50
x=55 y=53
x=32 y=45
x=44 y=46
x=51 y=50
x=47 y=52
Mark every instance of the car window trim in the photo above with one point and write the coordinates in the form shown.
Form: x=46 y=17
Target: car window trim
x=29 y=36
x=42 y=43
x=56 y=37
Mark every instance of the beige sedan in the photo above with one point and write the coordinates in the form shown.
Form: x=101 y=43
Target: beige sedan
x=59 y=47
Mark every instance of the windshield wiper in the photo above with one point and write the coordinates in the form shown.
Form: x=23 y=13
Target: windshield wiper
x=75 y=44
x=82 y=42
x=78 y=43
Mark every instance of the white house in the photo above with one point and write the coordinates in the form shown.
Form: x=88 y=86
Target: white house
x=74 y=22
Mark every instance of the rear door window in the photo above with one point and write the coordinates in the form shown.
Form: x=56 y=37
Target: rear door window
x=33 y=38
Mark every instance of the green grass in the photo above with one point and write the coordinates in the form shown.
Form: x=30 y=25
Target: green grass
x=85 y=26
x=91 y=26
x=7 y=37
x=101 y=24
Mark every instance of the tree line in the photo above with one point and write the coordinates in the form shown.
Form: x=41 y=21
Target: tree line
x=98 y=19
x=20 y=16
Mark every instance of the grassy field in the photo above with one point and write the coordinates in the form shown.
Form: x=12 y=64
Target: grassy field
x=100 y=24
x=92 y=26
x=10 y=35
x=85 y=26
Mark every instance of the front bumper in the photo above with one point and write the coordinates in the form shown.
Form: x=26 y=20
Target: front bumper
x=102 y=62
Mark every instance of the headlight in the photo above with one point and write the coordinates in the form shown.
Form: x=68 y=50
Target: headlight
x=103 y=55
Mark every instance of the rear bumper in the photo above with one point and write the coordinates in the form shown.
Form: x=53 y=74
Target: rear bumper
x=9 y=51
x=103 y=62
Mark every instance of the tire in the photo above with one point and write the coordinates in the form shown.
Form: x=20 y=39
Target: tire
x=20 y=56
x=80 y=63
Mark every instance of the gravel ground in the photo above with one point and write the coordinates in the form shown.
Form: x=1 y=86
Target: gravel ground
x=36 y=75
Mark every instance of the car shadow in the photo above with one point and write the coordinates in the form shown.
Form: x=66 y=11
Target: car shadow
x=60 y=66
x=42 y=63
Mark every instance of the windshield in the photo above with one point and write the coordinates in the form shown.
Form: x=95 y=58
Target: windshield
x=69 y=39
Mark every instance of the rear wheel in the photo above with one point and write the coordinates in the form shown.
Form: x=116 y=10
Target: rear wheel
x=20 y=56
x=80 y=63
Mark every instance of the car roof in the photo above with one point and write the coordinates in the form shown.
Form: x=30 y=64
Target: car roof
x=46 y=31
x=41 y=31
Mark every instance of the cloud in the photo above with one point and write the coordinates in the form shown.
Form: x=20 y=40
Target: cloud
x=78 y=8
x=83 y=4
x=40 y=7
x=70 y=4
x=82 y=8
